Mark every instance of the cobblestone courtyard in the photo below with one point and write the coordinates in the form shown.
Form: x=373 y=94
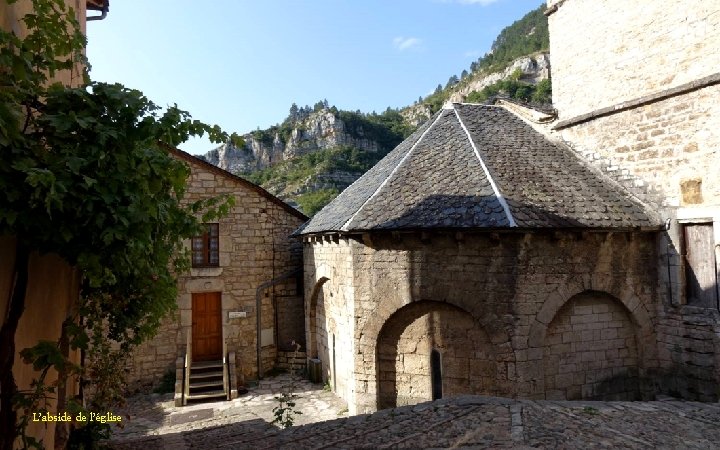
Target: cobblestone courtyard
x=460 y=422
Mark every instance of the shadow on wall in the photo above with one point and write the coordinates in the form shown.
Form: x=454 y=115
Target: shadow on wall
x=592 y=350
x=316 y=297
x=689 y=347
x=465 y=361
x=290 y=316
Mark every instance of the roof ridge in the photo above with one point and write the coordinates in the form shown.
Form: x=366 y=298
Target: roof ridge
x=496 y=190
x=390 y=175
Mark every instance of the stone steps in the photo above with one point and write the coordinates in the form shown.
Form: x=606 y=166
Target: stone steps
x=291 y=360
x=206 y=381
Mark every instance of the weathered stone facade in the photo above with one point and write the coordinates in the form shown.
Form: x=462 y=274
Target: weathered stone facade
x=606 y=52
x=538 y=315
x=650 y=114
x=255 y=248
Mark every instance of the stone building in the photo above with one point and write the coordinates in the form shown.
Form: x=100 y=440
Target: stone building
x=481 y=257
x=646 y=110
x=241 y=306
x=505 y=251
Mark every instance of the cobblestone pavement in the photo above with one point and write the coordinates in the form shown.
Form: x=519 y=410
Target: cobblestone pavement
x=154 y=419
x=460 y=422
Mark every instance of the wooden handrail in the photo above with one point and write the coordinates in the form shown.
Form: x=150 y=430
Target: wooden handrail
x=188 y=364
x=225 y=371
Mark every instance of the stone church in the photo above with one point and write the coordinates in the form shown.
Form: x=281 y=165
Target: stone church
x=569 y=254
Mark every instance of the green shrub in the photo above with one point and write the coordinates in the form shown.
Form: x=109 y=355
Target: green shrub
x=312 y=202
x=167 y=383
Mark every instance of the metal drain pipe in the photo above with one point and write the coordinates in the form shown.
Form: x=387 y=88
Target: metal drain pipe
x=103 y=11
x=258 y=303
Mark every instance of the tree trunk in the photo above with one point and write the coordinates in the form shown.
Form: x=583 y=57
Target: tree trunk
x=8 y=388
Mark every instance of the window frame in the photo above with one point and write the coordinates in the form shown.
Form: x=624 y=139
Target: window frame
x=203 y=244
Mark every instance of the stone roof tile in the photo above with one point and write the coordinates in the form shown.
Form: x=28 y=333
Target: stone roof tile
x=479 y=166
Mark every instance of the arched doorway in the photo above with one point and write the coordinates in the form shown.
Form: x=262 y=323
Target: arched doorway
x=316 y=332
x=426 y=342
x=591 y=350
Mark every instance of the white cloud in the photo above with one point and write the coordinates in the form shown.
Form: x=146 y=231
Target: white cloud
x=403 y=43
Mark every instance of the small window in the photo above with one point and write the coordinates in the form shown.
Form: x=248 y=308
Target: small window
x=701 y=287
x=436 y=374
x=206 y=248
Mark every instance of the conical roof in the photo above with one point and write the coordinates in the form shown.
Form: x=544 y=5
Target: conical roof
x=480 y=166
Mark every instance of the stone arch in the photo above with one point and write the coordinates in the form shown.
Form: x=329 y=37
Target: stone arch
x=591 y=350
x=551 y=306
x=314 y=325
x=405 y=344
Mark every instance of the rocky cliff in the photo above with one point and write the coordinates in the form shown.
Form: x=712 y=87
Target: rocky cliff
x=533 y=69
x=322 y=129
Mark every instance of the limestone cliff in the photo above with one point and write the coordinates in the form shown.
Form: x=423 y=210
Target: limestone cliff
x=320 y=130
x=533 y=69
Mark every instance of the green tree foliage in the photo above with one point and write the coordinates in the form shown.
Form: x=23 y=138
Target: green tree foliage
x=349 y=159
x=86 y=175
x=312 y=202
x=524 y=37
x=452 y=81
x=387 y=129
x=543 y=92
x=515 y=89
x=298 y=170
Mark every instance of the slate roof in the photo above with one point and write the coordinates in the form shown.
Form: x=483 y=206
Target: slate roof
x=480 y=167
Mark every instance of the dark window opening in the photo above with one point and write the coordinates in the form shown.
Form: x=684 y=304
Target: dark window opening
x=701 y=287
x=436 y=374
x=206 y=247
x=334 y=373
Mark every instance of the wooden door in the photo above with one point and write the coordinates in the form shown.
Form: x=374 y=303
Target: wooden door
x=700 y=268
x=206 y=326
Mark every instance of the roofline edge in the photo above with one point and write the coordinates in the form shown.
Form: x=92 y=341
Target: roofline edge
x=395 y=169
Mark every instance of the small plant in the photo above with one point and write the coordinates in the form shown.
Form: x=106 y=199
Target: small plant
x=342 y=411
x=167 y=383
x=327 y=387
x=285 y=411
x=590 y=410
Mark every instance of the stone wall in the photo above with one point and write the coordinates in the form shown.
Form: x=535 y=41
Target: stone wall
x=688 y=339
x=291 y=314
x=671 y=144
x=255 y=248
x=152 y=359
x=513 y=285
x=329 y=297
x=647 y=106
x=591 y=351
x=467 y=360
x=606 y=52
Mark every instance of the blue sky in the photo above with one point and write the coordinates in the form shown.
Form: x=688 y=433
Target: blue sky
x=241 y=63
